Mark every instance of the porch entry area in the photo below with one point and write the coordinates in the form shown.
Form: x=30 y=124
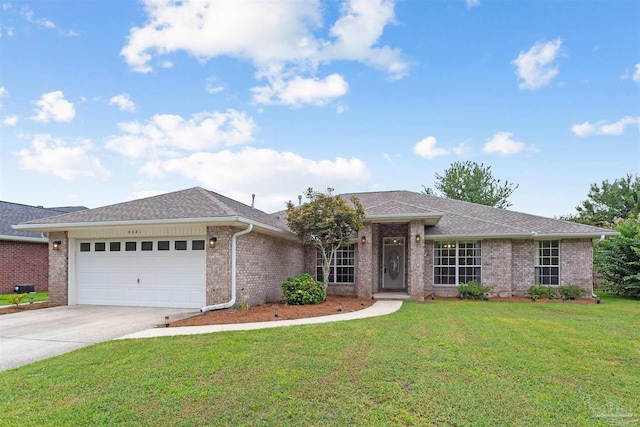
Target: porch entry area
x=393 y=264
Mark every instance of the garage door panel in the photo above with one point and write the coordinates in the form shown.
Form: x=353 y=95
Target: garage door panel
x=142 y=278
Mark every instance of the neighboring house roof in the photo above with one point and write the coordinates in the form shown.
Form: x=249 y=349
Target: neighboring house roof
x=15 y=213
x=194 y=205
x=443 y=218
x=470 y=220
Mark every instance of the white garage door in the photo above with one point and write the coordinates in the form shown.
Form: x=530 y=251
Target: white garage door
x=160 y=272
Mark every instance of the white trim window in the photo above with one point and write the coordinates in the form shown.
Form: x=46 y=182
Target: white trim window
x=343 y=265
x=547 y=263
x=457 y=262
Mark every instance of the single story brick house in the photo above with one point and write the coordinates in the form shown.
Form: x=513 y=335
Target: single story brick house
x=24 y=257
x=196 y=248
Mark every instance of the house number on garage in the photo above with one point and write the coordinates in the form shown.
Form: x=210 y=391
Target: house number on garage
x=133 y=232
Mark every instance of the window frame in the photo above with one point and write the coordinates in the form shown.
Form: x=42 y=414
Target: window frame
x=343 y=265
x=539 y=264
x=453 y=250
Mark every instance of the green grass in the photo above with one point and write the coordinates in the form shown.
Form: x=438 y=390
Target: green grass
x=446 y=363
x=37 y=297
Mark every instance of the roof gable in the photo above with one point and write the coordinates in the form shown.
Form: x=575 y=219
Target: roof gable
x=194 y=203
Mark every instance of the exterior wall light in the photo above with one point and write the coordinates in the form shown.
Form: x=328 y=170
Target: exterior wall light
x=212 y=242
x=363 y=239
x=56 y=245
x=417 y=238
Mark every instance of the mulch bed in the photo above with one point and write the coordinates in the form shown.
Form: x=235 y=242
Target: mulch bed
x=26 y=307
x=266 y=312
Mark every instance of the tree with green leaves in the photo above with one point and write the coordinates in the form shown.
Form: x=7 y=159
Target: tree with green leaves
x=473 y=182
x=326 y=222
x=608 y=202
x=618 y=259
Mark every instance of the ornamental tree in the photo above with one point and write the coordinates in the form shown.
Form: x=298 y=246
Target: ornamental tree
x=608 y=202
x=473 y=182
x=617 y=259
x=326 y=222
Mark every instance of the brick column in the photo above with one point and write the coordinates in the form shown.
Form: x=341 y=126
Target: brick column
x=364 y=272
x=219 y=265
x=416 y=261
x=59 y=269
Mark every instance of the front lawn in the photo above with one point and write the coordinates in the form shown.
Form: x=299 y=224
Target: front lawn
x=444 y=363
x=37 y=297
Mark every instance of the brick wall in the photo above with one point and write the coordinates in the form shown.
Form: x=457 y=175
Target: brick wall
x=523 y=254
x=576 y=263
x=262 y=264
x=496 y=267
x=58 y=270
x=23 y=263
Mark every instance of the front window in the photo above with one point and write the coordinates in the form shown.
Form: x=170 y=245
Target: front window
x=457 y=262
x=547 y=262
x=343 y=265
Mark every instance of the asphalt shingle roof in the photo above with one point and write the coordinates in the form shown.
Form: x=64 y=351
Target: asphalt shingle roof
x=458 y=218
x=462 y=218
x=15 y=213
x=191 y=203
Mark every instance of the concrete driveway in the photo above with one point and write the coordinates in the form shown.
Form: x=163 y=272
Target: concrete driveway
x=38 y=334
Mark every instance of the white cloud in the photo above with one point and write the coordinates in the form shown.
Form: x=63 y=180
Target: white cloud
x=10 y=121
x=273 y=176
x=341 y=108
x=71 y=33
x=428 y=150
x=124 y=102
x=503 y=144
x=636 y=74
x=168 y=135
x=166 y=64
x=6 y=6
x=601 y=128
x=284 y=48
x=357 y=32
x=472 y=3
x=53 y=106
x=68 y=161
x=213 y=86
x=299 y=91
x=3 y=94
x=28 y=14
x=536 y=67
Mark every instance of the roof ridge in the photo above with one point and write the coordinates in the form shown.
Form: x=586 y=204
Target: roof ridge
x=210 y=195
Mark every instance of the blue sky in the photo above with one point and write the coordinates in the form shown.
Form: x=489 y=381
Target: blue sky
x=107 y=101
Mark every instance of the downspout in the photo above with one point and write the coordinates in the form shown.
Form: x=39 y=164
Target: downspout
x=232 y=301
x=593 y=295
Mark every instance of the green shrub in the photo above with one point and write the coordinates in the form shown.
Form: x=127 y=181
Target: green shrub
x=472 y=290
x=571 y=291
x=302 y=290
x=16 y=299
x=541 y=291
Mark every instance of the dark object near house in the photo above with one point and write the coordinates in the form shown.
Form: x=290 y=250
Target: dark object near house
x=23 y=289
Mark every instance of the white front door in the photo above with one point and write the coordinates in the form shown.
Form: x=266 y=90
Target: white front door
x=393 y=269
x=153 y=272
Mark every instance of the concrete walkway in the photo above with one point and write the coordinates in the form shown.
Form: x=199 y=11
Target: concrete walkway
x=379 y=308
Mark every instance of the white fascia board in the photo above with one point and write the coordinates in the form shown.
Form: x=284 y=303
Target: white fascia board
x=24 y=239
x=533 y=236
x=405 y=217
x=229 y=220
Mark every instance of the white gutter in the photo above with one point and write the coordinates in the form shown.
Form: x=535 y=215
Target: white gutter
x=227 y=220
x=596 y=243
x=232 y=301
x=531 y=235
x=24 y=239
